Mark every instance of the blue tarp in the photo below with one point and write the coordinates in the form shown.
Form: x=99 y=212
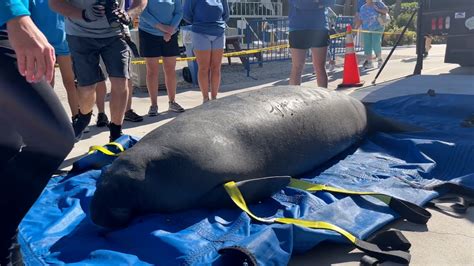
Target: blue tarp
x=58 y=230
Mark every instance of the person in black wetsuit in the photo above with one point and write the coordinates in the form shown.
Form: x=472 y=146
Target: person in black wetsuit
x=35 y=132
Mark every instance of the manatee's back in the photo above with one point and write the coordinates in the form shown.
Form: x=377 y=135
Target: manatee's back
x=284 y=130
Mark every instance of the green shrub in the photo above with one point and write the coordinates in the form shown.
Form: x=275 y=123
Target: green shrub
x=409 y=7
x=403 y=19
x=390 y=39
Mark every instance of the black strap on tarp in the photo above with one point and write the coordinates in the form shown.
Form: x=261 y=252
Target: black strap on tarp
x=461 y=198
x=392 y=240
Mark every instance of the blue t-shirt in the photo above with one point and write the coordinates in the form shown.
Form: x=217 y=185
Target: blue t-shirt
x=308 y=14
x=360 y=3
x=12 y=8
x=368 y=15
x=50 y=23
x=207 y=16
x=167 y=12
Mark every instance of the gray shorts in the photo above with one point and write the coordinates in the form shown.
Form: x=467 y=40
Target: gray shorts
x=86 y=53
x=204 y=42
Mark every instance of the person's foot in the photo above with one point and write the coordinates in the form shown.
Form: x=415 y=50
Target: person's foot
x=153 y=111
x=368 y=65
x=205 y=100
x=331 y=67
x=131 y=116
x=115 y=131
x=379 y=63
x=102 y=120
x=80 y=123
x=175 y=107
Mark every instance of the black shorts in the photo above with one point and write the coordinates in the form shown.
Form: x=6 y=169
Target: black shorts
x=154 y=46
x=305 y=39
x=86 y=53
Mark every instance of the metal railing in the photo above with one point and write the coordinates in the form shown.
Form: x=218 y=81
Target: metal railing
x=263 y=33
x=260 y=34
x=255 y=9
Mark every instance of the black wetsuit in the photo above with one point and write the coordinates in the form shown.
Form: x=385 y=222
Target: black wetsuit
x=35 y=137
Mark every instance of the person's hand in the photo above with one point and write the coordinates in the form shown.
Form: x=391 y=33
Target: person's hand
x=167 y=37
x=123 y=16
x=165 y=28
x=34 y=54
x=93 y=12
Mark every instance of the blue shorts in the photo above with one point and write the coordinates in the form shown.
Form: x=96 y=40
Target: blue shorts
x=62 y=49
x=204 y=42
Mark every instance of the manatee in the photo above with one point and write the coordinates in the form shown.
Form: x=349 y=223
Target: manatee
x=257 y=138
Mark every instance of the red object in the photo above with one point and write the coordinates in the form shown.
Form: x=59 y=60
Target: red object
x=440 y=23
x=351 y=76
x=433 y=24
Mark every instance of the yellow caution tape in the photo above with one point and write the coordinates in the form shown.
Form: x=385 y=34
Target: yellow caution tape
x=259 y=50
x=231 y=54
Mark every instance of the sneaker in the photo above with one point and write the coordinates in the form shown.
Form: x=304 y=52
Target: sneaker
x=102 y=120
x=175 y=107
x=379 y=63
x=368 y=65
x=153 y=111
x=131 y=116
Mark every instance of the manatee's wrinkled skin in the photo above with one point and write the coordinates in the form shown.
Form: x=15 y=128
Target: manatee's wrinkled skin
x=285 y=130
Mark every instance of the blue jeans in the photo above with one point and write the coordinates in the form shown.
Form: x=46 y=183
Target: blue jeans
x=373 y=42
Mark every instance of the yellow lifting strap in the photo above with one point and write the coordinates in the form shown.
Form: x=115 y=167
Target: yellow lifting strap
x=105 y=151
x=311 y=187
x=405 y=209
x=239 y=200
x=398 y=256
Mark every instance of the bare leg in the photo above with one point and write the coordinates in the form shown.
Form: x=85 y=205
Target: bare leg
x=204 y=63
x=130 y=95
x=101 y=91
x=216 y=64
x=152 y=73
x=65 y=66
x=118 y=100
x=169 y=67
x=319 y=59
x=86 y=97
x=298 y=57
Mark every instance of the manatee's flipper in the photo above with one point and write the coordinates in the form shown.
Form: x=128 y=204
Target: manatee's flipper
x=377 y=122
x=253 y=190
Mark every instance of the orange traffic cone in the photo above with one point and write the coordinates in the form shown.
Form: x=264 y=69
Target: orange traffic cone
x=351 y=77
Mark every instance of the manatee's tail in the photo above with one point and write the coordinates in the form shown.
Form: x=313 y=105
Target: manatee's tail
x=252 y=190
x=377 y=122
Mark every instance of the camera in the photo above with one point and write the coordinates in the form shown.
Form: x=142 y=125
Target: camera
x=109 y=7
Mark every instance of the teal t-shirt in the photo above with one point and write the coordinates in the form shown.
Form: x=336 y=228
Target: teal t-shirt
x=12 y=8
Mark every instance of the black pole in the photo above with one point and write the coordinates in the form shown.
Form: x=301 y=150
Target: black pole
x=420 y=40
x=395 y=46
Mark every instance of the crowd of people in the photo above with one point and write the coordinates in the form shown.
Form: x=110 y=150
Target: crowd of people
x=89 y=41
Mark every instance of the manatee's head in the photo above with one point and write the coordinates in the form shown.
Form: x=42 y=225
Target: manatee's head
x=113 y=203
